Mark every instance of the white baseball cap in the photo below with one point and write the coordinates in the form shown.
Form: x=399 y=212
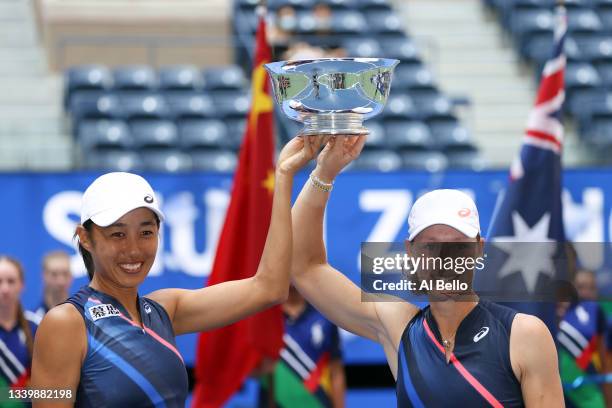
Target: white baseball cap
x=113 y=195
x=448 y=207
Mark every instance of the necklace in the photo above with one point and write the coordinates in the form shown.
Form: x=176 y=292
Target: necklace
x=448 y=343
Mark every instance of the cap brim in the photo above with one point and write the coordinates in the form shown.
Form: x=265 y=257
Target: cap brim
x=467 y=230
x=108 y=217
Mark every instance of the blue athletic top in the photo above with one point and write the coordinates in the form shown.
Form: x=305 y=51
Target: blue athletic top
x=127 y=365
x=14 y=356
x=479 y=373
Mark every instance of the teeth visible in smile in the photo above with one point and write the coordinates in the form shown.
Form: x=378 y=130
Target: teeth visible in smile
x=131 y=267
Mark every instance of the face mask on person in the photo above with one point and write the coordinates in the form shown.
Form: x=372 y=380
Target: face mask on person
x=287 y=23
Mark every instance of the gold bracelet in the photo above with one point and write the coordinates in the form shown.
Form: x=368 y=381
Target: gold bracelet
x=318 y=183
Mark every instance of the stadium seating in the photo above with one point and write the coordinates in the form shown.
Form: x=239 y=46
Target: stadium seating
x=588 y=48
x=177 y=118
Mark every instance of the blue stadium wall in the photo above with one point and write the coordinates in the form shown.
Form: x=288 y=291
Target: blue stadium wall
x=38 y=213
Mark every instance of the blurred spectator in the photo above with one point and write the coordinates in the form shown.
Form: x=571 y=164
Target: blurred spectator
x=283 y=25
x=57 y=279
x=582 y=350
x=310 y=372
x=322 y=15
x=17 y=327
x=304 y=51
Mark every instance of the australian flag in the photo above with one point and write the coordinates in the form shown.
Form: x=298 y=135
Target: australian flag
x=528 y=221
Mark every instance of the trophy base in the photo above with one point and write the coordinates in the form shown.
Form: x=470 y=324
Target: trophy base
x=350 y=124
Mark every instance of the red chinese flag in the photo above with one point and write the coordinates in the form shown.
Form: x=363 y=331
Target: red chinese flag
x=226 y=356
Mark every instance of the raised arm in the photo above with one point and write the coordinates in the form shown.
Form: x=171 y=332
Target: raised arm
x=534 y=358
x=326 y=288
x=227 y=302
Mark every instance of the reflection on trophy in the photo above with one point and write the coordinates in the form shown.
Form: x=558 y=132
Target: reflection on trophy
x=332 y=96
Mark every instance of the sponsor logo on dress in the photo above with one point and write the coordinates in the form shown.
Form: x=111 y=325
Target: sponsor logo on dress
x=483 y=332
x=103 y=311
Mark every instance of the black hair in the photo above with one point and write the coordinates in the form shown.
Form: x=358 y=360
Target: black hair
x=87 y=258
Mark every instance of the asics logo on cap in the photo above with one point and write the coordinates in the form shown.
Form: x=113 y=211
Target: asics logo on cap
x=464 y=212
x=483 y=332
x=148 y=199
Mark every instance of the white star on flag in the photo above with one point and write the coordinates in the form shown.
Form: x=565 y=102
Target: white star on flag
x=524 y=257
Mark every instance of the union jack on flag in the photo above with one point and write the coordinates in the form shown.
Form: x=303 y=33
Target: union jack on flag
x=530 y=210
x=544 y=127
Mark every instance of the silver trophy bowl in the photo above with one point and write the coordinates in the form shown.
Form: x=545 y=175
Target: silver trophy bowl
x=334 y=95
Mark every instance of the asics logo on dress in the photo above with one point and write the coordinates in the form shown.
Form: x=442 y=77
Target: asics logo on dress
x=483 y=332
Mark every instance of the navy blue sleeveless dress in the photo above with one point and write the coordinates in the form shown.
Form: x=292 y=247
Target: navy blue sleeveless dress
x=479 y=373
x=127 y=365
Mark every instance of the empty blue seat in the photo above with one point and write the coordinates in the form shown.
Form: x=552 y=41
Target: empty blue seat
x=139 y=105
x=236 y=128
x=296 y=4
x=183 y=105
x=384 y=21
x=399 y=106
x=466 y=160
x=450 y=135
x=583 y=20
x=231 y=104
x=224 y=77
x=599 y=132
x=605 y=15
x=408 y=135
x=166 y=160
x=86 y=78
x=605 y=72
x=154 y=133
x=374 y=5
x=286 y=128
x=376 y=139
x=348 y=22
x=104 y=133
x=413 y=76
x=94 y=105
x=435 y=106
x=180 y=77
x=135 y=78
x=580 y=75
x=529 y=21
x=214 y=160
x=424 y=160
x=593 y=48
x=362 y=47
x=537 y=46
x=378 y=160
x=401 y=48
x=112 y=160
x=582 y=102
x=203 y=133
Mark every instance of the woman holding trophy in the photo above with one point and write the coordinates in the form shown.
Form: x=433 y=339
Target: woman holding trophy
x=452 y=353
x=106 y=346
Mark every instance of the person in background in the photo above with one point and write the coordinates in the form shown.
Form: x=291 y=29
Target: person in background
x=582 y=349
x=310 y=372
x=57 y=279
x=17 y=329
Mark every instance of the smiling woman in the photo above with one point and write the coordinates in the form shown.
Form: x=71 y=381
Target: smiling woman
x=107 y=337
